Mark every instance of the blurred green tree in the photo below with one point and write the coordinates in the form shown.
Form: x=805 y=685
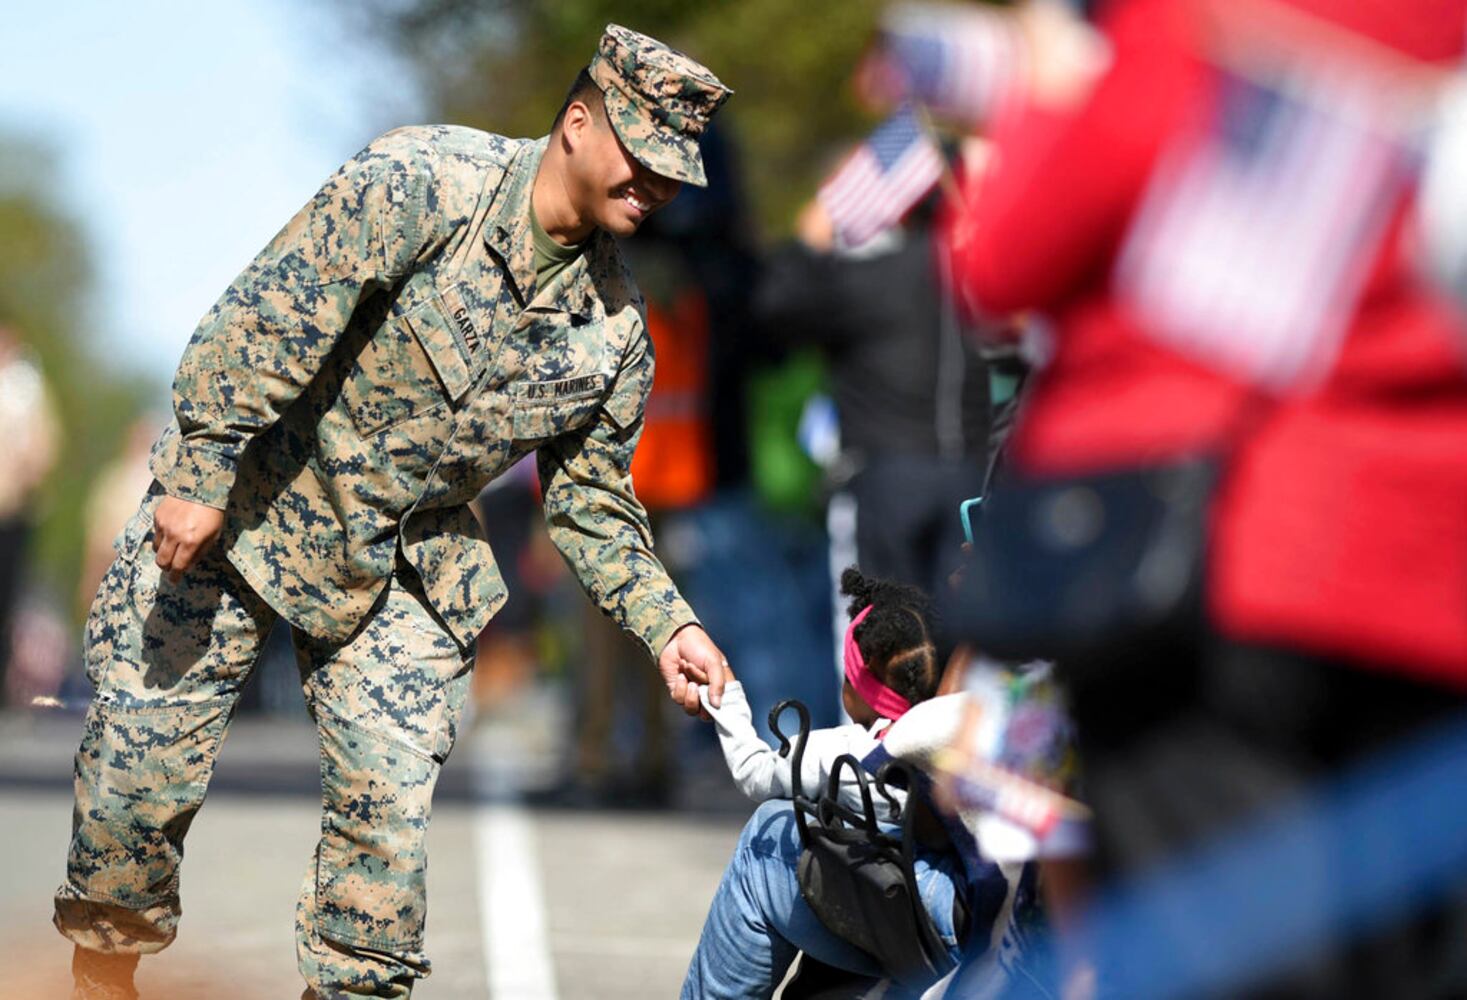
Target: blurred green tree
x=45 y=286
x=505 y=66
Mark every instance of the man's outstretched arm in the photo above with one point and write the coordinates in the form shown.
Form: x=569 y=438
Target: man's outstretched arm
x=599 y=525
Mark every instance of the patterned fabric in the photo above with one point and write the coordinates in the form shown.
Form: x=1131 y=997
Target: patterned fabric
x=659 y=101
x=169 y=661
x=385 y=357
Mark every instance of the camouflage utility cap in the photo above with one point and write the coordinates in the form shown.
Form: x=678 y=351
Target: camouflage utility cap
x=659 y=101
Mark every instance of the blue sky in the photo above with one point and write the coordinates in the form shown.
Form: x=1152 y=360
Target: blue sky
x=186 y=134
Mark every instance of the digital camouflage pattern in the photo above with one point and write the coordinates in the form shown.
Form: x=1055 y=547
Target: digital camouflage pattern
x=169 y=661
x=659 y=101
x=385 y=357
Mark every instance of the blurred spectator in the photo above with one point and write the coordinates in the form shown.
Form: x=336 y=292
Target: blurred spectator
x=28 y=438
x=40 y=649
x=910 y=385
x=710 y=228
x=674 y=464
x=760 y=578
x=1336 y=574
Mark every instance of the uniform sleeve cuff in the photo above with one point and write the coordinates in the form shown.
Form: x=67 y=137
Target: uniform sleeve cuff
x=664 y=625
x=196 y=473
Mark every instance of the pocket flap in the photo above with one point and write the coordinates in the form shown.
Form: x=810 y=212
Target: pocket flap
x=435 y=335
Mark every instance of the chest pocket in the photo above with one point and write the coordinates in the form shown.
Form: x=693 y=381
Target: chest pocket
x=546 y=409
x=412 y=364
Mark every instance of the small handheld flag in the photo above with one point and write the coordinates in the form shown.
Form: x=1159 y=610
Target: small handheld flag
x=1251 y=244
x=887 y=174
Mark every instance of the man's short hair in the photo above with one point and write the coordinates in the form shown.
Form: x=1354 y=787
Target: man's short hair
x=585 y=90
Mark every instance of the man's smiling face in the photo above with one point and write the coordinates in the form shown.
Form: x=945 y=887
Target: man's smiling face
x=607 y=185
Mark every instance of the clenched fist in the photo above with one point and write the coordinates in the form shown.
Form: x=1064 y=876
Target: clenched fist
x=183 y=531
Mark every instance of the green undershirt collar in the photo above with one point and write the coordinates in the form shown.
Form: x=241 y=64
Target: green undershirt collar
x=550 y=257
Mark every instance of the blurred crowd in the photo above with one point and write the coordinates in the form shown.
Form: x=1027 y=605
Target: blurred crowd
x=1134 y=341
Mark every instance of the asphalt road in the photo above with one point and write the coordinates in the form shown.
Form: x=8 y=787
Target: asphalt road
x=525 y=903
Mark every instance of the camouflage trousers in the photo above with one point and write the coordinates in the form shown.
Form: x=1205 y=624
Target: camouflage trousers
x=168 y=661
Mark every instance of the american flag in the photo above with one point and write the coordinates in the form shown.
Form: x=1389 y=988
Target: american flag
x=961 y=63
x=882 y=179
x=1253 y=238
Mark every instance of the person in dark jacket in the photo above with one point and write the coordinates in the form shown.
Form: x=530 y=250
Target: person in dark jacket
x=910 y=386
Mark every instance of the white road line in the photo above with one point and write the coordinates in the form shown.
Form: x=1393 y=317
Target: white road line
x=516 y=953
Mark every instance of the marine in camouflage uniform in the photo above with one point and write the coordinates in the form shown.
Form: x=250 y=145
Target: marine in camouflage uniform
x=386 y=356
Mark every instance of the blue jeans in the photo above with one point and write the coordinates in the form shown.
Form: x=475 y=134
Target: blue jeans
x=759 y=920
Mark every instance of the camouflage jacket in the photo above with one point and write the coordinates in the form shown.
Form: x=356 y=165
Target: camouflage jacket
x=385 y=357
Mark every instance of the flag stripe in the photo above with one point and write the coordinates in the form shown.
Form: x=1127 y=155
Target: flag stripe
x=876 y=185
x=1249 y=249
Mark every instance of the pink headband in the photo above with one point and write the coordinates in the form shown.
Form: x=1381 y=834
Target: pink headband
x=887 y=703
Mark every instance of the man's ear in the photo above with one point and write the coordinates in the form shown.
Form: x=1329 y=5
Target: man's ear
x=575 y=123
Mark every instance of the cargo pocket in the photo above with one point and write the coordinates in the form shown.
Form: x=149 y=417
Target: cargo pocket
x=371 y=872
x=387 y=707
x=411 y=364
x=140 y=777
x=546 y=409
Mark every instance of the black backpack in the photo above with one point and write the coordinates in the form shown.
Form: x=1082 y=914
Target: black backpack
x=860 y=880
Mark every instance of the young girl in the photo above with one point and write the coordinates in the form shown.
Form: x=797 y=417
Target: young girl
x=758 y=919
x=890 y=665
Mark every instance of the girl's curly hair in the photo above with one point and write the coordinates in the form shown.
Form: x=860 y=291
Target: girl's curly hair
x=896 y=637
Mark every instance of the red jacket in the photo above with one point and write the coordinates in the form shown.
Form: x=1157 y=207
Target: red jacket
x=1342 y=525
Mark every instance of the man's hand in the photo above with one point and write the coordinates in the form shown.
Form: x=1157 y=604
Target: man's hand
x=183 y=531
x=690 y=659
